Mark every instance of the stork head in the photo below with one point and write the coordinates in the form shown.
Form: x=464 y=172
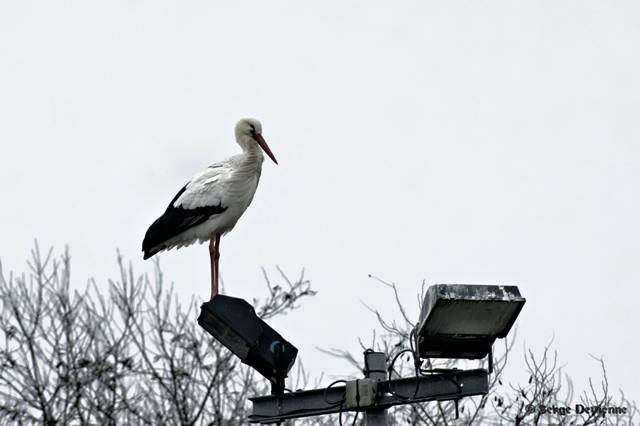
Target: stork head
x=249 y=133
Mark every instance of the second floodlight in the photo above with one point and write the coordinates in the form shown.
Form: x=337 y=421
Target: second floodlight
x=463 y=320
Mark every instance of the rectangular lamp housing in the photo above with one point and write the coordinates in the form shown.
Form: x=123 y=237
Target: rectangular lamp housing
x=234 y=323
x=463 y=320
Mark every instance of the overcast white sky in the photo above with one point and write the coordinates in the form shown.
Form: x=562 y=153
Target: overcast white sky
x=458 y=142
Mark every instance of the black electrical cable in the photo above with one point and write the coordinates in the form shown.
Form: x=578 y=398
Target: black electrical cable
x=339 y=402
x=332 y=403
x=391 y=369
x=344 y=396
x=413 y=344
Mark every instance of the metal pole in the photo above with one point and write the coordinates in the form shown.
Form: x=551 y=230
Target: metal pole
x=452 y=385
x=375 y=367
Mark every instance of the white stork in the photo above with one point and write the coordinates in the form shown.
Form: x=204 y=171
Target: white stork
x=211 y=203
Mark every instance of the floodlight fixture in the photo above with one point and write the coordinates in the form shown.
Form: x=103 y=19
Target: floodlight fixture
x=463 y=320
x=235 y=324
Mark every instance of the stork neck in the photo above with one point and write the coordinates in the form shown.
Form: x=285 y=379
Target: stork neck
x=253 y=159
x=251 y=150
x=250 y=160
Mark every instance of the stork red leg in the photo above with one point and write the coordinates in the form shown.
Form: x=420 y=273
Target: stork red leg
x=214 y=256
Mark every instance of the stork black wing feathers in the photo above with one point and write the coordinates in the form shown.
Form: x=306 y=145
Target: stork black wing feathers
x=174 y=221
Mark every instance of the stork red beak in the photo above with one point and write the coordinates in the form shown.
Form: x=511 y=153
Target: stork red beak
x=263 y=144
